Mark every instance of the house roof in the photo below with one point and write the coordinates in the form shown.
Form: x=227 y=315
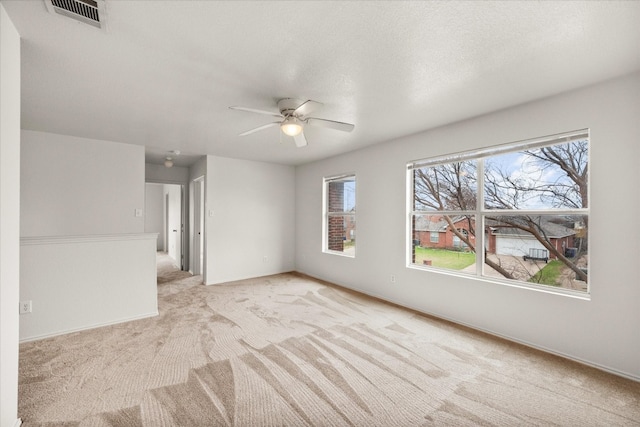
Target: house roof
x=437 y=223
x=549 y=228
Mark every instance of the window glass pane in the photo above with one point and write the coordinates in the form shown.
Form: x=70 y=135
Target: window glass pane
x=340 y=215
x=540 y=178
x=342 y=234
x=542 y=249
x=450 y=187
x=532 y=220
x=342 y=195
x=444 y=241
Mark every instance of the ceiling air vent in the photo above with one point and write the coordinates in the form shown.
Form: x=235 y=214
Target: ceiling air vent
x=88 y=11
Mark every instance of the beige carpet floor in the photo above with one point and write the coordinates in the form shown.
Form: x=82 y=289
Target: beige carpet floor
x=287 y=350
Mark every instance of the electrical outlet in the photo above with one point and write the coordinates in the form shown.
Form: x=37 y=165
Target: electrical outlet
x=25 y=307
x=264 y=258
x=393 y=279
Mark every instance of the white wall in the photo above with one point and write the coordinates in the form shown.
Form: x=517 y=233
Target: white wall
x=83 y=282
x=602 y=331
x=85 y=260
x=198 y=169
x=79 y=186
x=165 y=175
x=154 y=212
x=10 y=218
x=250 y=220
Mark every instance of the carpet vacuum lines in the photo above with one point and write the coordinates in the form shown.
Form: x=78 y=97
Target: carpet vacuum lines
x=287 y=350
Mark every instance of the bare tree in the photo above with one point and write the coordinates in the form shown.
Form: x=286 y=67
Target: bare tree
x=451 y=186
x=547 y=178
x=572 y=159
x=557 y=178
x=534 y=225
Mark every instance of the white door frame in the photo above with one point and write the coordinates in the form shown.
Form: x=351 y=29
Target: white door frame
x=167 y=227
x=184 y=245
x=198 y=227
x=175 y=223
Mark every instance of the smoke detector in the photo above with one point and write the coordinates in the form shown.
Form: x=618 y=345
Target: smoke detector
x=90 y=12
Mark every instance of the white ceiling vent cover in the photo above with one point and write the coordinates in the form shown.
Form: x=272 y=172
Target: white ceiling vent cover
x=88 y=11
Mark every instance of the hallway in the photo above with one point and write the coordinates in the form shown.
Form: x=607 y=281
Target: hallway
x=168 y=270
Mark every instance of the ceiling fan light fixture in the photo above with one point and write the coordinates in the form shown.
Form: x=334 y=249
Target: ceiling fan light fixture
x=291 y=126
x=294 y=118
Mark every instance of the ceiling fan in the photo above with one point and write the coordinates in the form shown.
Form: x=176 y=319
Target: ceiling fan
x=295 y=116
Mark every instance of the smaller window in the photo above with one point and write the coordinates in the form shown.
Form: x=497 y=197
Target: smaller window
x=340 y=215
x=434 y=237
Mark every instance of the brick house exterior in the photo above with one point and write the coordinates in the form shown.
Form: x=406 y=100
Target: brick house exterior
x=335 y=224
x=512 y=241
x=340 y=228
x=433 y=231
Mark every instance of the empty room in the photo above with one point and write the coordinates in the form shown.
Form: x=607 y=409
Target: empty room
x=319 y=213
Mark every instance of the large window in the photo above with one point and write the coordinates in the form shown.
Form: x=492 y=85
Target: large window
x=517 y=212
x=340 y=215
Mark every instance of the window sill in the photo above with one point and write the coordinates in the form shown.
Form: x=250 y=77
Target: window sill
x=342 y=254
x=585 y=296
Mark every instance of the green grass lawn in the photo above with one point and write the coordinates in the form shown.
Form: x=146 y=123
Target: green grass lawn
x=452 y=260
x=549 y=274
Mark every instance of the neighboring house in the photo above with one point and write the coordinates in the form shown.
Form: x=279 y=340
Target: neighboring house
x=513 y=241
x=434 y=232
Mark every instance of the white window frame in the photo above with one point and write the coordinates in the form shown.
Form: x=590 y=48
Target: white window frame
x=328 y=214
x=480 y=212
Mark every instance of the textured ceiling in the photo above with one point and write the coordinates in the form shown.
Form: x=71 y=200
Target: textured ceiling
x=164 y=73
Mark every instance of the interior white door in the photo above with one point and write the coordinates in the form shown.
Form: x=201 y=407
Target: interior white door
x=198 y=228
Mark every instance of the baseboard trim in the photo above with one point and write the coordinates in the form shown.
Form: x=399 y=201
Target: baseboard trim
x=547 y=350
x=485 y=331
x=240 y=279
x=88 y=327
x=18 y=423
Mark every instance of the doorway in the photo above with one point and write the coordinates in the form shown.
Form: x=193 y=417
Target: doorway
x=164 y=215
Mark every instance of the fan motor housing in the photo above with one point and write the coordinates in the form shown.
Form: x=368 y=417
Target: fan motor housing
x=288 y=105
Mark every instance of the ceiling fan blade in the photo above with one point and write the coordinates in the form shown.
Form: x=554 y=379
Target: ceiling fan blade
x=255 y=110
x=259 y=128
x=306 y=108
x=345 y=127
x=300 y=140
